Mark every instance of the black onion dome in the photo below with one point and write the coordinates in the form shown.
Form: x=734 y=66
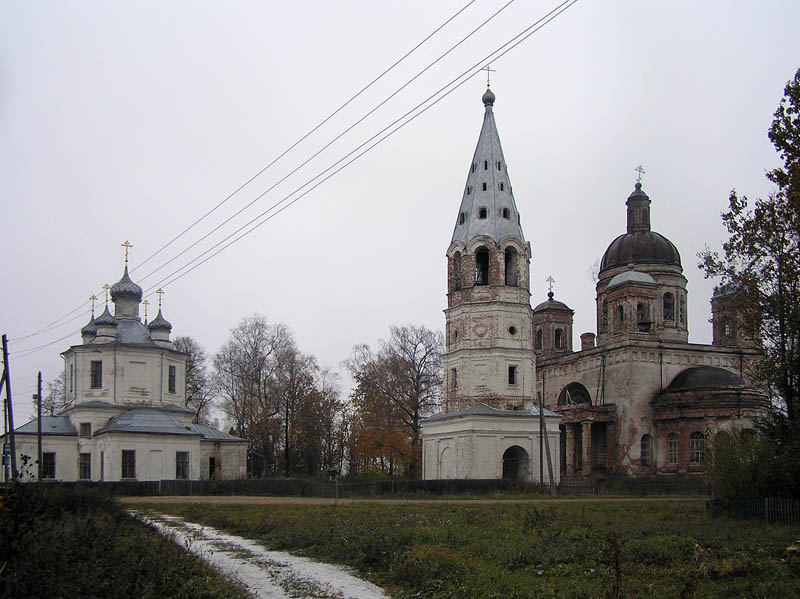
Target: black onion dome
x=488 y=98
x=640 y=247
x=90 y=328
x=126 y=288
x=705 y=377
x=105 y=319
x=160 y=323
x=552 y=304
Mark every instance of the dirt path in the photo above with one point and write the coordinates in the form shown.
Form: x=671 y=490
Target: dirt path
x=265 y=574
x=259 y=500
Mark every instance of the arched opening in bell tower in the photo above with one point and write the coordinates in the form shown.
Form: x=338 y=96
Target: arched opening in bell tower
x=511 y=266
x=482 y=266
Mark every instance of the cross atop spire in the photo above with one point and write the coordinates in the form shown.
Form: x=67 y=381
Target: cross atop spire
x=489 y=70
x=106 y=287
x=160 y=292
x=550 y=280
x=641 y=172
x=127 y=246
x=92 y=299
x=145 y=303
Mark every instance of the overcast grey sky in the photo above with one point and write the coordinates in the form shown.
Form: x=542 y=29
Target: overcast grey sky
x=129 y=120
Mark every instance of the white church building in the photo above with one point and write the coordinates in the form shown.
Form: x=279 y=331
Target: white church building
x=126 y=417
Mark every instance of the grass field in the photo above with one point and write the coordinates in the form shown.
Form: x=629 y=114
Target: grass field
x=584 y=549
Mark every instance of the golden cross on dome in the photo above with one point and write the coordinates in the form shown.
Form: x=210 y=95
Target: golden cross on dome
x=550 y=280
x=489 y=70
x=641 y=172
x=160 y=292
x=145 y=303
x=127 y=246
x=92 y=299
x=106 y=287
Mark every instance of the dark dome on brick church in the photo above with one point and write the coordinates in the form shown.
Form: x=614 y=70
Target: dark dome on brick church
x=705 y=377
x=552 y=304
x=640 y=245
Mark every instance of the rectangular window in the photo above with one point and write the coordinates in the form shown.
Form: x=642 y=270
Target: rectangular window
x=212 y=467
x=454 y=378
x=182 y=464
x=128 y=463
x=97 y=374
x=102 y=465
x=71 y=377
x=672 y=449
x=171 y=379
x=85 y=466
x=86 y=429
x=512 y=375
x=48 y=464
x=696 y=448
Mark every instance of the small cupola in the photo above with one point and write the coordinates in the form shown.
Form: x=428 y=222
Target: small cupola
x=106 y=327
x=89 y=331
x=126 y=296
x=160 y=329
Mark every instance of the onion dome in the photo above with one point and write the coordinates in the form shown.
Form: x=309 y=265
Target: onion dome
x=640 y=245
x=159 y=323
x=488 y=98
x=90 y=328
x=631 y=276
x=125 y=288
x=552 y=304
x=105 y=319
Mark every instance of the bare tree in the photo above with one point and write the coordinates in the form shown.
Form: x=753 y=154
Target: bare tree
x=404 y=378
x=54 y=399
x=199 y=391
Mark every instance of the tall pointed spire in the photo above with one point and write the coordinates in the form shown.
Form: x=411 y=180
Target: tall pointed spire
x=487 y=206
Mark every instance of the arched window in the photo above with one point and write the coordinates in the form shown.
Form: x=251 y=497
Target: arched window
x=697 y=445
x=645 y=218
x=669 y=307
x=539 y=339
x=482 y=213
x=457 y=271
x=620 y=314
x=473 y=167
x=511 y=266
x=604 y=322
x=646 y=459
x=682 y=308
x=499 y=166
x=482 y=266
x=559 y=339
x=672 y=449
x=642 y=321
x=484 y=186
x=506 y=213
x=469 y=190
x=502 y=187
x=461 y=218
x=485 y=165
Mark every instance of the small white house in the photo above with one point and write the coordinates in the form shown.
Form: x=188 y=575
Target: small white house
x=127 y=420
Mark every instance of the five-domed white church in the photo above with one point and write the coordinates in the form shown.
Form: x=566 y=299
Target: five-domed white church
x=636 y=399
x=126 y=417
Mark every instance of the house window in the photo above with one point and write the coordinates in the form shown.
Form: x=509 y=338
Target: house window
x=559 y=339
x=171 y=380
x=86 y=430
x=454 y=378
x=482 y=266
x=512 y=375
x=696 y=448
x=647 y=451
x=669 y=307
x=48 y=465
x=672 y=449
x=539 y=339
x=128 y=463
x=182 y=465
x=213 y=466
x=85 y=466
x=96 y=374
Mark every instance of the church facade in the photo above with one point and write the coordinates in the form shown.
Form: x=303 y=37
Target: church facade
x=636 y=398
x=126 y=417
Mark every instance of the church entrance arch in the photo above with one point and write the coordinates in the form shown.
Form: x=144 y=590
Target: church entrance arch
x=574 y=394
x=515 y=463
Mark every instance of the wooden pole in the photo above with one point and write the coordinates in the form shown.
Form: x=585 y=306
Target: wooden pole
x=5 y=427
x=10 y=408
x=39 y=427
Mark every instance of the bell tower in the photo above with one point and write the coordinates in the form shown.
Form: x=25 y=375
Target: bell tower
x=489 y=354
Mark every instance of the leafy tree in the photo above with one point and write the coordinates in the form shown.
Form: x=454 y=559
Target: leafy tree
x=761 y=262
x=199 y=391
x=396 y=387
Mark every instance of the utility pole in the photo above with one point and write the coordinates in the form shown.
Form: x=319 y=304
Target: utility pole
x=38 y=397
x=543 y=440
x=9 y=408
x=5 y=429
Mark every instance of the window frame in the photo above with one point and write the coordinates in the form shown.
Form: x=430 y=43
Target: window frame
x=82 y=430
x=172 y=378
x=129 y=465
x=85 y=466
x=512 y=375
x=697 y=449
x=182 y=465
x=96 y=374
x=48 y=465
x=673 y=449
